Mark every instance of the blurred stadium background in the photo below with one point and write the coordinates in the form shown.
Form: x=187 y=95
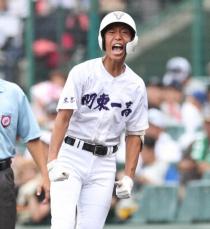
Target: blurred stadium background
x=65 y=33
x=57 y=34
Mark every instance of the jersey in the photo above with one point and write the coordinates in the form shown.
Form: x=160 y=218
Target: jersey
x=16 y=118
x=103 y=105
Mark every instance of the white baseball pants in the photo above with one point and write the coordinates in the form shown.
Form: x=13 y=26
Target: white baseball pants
x=83 y=201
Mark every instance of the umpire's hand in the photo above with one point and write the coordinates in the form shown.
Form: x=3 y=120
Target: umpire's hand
x=124 y=187
x=43 y=190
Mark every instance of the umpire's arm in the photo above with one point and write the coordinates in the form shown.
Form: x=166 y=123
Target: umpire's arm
x=36 y=150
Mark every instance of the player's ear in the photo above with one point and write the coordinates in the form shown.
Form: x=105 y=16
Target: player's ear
x=103 y=42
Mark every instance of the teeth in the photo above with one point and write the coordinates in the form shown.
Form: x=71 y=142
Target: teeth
x=117 y=45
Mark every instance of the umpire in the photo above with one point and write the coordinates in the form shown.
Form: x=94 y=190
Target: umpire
x=17 y=119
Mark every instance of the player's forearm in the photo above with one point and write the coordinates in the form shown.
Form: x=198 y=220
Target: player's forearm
x=58 y=134
x=56 y=142
x=36 y=149
x=133 y=146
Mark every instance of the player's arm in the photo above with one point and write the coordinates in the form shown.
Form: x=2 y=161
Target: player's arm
x=57 y=173
x=133 y=148
x=134 y=143
x=58 y=133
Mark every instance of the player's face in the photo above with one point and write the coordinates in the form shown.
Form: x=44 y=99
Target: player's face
x=116 y=38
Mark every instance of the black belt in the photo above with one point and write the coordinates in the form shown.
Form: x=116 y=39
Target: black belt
x=5 y=163
x=98 y=150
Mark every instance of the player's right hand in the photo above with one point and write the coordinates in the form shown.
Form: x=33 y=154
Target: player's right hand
x=56 y=172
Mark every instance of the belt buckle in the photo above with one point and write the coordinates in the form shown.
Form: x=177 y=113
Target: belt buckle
x=100 y=148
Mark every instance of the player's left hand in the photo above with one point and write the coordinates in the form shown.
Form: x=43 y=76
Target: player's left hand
x=124 y=187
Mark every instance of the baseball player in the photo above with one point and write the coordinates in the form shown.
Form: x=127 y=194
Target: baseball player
x=100 y=99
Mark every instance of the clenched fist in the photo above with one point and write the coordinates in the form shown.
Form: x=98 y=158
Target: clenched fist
x=124 y=187
x=56 y=172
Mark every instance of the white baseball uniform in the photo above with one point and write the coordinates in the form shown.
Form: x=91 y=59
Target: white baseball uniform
x=103 y=107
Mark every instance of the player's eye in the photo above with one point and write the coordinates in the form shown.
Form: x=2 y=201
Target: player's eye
x=111 y=31
x=126 y=31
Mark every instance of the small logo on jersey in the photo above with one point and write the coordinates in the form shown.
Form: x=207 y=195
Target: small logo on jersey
x=65 y=100
x=72 y=99
x=118 y=15
x=69 y=100
x=5 y=120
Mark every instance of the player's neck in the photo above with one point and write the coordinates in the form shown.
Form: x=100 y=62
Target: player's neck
x=115 y=68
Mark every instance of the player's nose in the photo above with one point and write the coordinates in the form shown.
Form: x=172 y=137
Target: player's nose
x=118 y=35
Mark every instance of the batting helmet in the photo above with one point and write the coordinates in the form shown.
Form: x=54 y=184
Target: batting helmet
x=178 y=69
x=118 y=17
x=179 y=63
